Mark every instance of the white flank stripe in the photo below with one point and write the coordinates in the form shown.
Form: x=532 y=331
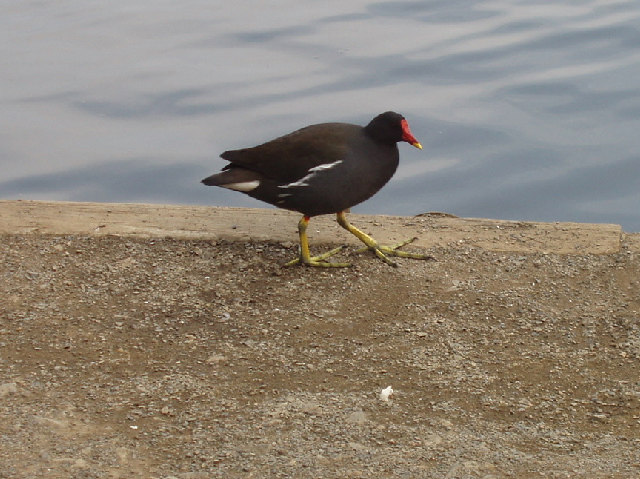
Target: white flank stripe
x=312 y=172
x=245 y=186
x=326 y=167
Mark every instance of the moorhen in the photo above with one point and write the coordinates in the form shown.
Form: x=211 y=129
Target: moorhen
x=322 y=169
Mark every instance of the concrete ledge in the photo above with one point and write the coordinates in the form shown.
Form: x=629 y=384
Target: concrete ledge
x=199 y=222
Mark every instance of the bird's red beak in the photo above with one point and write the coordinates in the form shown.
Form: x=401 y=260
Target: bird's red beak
x=407 y=136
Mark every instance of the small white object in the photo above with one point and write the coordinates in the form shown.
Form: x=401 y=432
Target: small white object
x=385 y=393
x=244 y=186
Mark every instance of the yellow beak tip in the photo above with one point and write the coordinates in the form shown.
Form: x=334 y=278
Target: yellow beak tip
x=417 y=145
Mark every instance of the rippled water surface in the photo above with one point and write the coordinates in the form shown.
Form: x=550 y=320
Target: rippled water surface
x=527 y=110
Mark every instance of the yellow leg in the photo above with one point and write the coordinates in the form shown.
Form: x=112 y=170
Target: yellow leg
x=306 y=258
x=380 y=251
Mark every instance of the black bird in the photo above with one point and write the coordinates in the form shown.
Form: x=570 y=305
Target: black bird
x=321 y=169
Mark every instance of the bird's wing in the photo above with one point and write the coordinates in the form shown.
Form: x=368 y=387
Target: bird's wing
x=290 y=157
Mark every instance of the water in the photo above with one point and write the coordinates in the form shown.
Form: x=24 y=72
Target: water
x=527 y=110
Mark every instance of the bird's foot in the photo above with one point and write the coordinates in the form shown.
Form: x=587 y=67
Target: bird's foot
x=383 y=251
x=319 y=261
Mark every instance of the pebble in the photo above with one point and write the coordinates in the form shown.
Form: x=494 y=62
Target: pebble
x=8 y=388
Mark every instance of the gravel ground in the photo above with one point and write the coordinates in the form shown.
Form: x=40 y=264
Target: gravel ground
x=160 y=358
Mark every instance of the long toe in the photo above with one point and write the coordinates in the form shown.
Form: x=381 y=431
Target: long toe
x=383 y=251
x=319 y=261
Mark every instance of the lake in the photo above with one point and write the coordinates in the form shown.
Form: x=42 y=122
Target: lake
x=527 y=110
